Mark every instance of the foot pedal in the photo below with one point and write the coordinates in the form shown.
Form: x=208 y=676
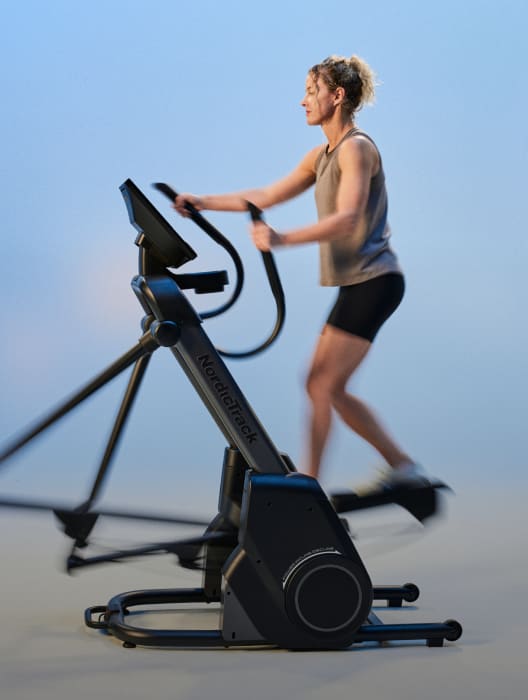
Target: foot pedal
x=421 y=501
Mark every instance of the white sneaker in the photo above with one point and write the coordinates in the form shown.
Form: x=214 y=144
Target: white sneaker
x=389 y=478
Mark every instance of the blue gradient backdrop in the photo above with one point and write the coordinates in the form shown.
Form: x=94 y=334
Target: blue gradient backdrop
x=205 y=95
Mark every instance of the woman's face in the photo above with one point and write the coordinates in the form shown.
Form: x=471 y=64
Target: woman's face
x=318 y=102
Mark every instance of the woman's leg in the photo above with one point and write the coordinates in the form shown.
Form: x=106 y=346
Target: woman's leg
x=337 y=356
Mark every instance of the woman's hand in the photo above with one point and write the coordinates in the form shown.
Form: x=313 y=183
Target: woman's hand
x=183 y=199
x=264 y=237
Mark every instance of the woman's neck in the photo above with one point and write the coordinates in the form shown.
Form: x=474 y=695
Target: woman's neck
x=335 y=130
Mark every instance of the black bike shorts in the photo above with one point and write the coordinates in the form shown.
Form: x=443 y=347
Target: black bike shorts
x=361 y=309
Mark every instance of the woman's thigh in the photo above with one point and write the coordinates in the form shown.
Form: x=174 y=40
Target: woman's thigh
x=337 y=356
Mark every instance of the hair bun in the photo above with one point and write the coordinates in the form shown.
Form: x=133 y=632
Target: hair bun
x=353 y=74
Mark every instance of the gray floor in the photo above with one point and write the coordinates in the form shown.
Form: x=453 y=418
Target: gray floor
x=472 y=566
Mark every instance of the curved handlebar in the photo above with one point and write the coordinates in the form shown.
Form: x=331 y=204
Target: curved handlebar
x=217 y=237
x=269 y=265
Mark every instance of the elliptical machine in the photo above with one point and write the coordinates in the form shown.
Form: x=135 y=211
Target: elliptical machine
x=277 y=557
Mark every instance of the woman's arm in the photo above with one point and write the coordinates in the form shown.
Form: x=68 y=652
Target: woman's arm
x=358 y=161
x=302 y=177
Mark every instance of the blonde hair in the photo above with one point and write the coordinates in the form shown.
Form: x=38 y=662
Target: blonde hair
x=353 y=74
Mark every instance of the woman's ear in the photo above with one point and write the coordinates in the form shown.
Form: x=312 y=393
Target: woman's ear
x=339 y=95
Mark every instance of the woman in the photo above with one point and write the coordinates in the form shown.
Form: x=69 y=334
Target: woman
x=355 y=255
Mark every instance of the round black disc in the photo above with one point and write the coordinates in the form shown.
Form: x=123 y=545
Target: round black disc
x=328 y=594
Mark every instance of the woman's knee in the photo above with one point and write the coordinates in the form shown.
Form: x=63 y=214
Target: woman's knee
x=316 y=384
x=321 y=385
x=312 y=387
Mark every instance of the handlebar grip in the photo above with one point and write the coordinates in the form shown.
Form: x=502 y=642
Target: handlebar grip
x=165 y=189
x=172 y=194
x=255 y=212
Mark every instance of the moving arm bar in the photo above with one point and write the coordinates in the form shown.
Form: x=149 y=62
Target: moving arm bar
x=122 y=514
x=186 y=549
x=146 y=344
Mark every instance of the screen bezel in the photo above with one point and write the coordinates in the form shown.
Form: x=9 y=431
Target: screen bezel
x=163 y=241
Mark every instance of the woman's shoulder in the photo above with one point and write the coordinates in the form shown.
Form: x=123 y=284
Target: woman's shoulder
x=359 y=147
x=360 y=138
x=312 y=159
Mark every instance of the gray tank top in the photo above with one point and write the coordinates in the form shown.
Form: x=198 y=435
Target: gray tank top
x=346 y=260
